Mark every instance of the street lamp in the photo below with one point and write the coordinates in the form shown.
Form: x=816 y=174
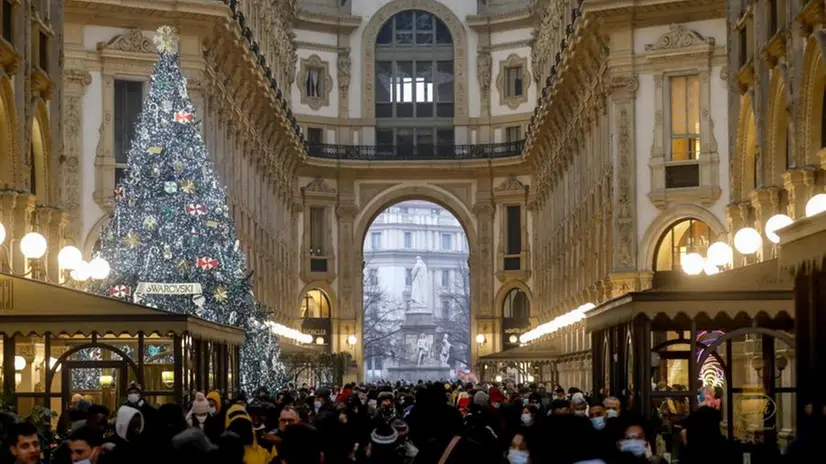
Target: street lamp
x=693 y=263
x=480 y=339
x=816 y=205
x=747 y=241
x=352 y=340
x=33 y=245
x=778 y=221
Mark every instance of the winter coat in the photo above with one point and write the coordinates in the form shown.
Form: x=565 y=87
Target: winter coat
x=253 y=453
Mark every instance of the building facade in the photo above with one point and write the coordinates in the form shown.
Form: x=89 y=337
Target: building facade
x=625 y=152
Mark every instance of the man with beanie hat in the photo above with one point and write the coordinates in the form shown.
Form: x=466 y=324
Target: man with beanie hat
x=383 y=447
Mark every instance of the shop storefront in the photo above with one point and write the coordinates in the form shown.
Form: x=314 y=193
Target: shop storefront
x=55 y=342
x=725 y=341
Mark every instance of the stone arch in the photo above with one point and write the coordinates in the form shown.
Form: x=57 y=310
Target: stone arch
x=746 y=148
x=9 y=165
x=651 y=237
x=94 y=235
x=813 y=87
x=460 y=53
x=499 y=299
x=778 y=125
x=324 y=287
x=41 y=150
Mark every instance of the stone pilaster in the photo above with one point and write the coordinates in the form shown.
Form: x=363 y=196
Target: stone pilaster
x=624 y=158
x=16 y=209
x=800 y=183
x=481 y=261
x=766 y=203
x=75 y=82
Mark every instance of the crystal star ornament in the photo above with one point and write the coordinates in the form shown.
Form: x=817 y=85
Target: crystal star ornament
x=188 y=186
x=132 y=240
x=166 y=39
x=221 y=294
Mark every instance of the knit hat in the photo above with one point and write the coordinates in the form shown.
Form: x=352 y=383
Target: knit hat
x=480 y=398
x=200 y=405
x=384 y=435
x=215 y=396
x=322 y=392
x=134 y=386
x=496 y=396
x=385 y=395
x=579 y=398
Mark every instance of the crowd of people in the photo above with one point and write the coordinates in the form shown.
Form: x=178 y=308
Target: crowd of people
x=425 y=423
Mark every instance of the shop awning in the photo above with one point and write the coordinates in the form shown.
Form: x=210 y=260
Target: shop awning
x=803 y=243
x=534 y=352
x=750 y=289
x=31 y=306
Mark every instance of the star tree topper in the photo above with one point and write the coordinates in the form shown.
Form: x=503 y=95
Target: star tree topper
x=166 y=39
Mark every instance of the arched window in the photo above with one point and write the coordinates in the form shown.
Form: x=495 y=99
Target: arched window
x=414 y=84
x=685 y=236
x=516 y=305
x=315 y=305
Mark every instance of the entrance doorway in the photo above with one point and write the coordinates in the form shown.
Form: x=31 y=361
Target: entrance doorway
x=100 y=382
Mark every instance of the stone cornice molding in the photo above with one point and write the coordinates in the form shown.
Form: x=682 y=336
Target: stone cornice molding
x=678 y=36
x=80 y=77
x=460 y=53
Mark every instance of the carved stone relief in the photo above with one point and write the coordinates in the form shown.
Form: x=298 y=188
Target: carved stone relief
x=131 y=41
x=678 y=36
x=343 y=78
x=625 y=220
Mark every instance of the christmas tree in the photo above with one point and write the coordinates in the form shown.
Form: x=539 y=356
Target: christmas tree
x=171 y=242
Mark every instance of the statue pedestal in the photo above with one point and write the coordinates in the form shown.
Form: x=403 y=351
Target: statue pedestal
x=413 y=373
x=418 y=321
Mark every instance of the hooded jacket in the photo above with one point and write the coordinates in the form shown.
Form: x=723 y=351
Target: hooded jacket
x=253 y=454
x=125 y=415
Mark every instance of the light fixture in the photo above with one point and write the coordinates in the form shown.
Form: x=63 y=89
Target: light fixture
x=18 y=378
x=778 y=221
x=106 y=380
x=710 y=268
x=52 y=362
x=69 y=258
x=747 y=241
x=693 y=263
x=513 y=339
x=530 y=378
x=480 y=339
x=352 y=340
x=19 y=363
x=720 y=254
x=33 y=245
x=816 y=205
x=2 y=233
x=498 y=378
x=168 y=378
x=319 y=340
x=99 y=268
x=81 y=272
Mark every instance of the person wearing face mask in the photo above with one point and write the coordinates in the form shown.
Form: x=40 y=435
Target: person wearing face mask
x=529 y=415
x=579 y=406
x=518 y=451
x=135 y=399
x=633 y=445
x=612 y=407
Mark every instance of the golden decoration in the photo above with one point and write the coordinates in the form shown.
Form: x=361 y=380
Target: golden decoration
x=132 y=240
x=187 y=186
x=166 y=39
x=183 y=265
x=221 y=294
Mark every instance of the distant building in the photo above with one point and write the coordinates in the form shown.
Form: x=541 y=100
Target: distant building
x=395 y=238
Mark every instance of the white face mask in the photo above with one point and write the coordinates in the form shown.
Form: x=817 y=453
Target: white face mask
x=581 y=413
x=212 y=410
x=527 y=419
x=371 y=403
x=598 y=422
x=636 y=447
x=518 y=457
x=133 y=398
x=317 y=405
x=612 y=413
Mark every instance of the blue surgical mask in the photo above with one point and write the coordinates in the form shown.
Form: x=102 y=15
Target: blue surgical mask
x=85 y=461
x=612 y=413
x=212 y=411
x=517 y=457
x=317 y=405
x=635 y=446
x=598 y=422
x=527 y=419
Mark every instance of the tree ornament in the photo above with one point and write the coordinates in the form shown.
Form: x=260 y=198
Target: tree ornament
x=233 y=317
x=178 y=166
x=212 y=224
x=156 y=171
x=150 y=223
x=206 y=263
x=193 y=209
x=168 y=212
x=170 y=187
x=192 y=236
x=183 y=265
x=120 y=291
x=132 y=240
x=187 y=186
x=166 y=39
x=167 y=252
x=154 y=150
x=221 y=294
x=119 y=192
x=183 y=117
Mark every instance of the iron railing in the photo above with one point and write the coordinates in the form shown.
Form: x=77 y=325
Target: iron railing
x=414 y=152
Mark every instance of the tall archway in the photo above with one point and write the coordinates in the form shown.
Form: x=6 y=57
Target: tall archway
x=8 y=124
x=682 y=237
x=416 y=294
x=813 y=89
x=748 y=168
x=778 y=125
x=316 y=312
x=460 y=50
x=39 y=153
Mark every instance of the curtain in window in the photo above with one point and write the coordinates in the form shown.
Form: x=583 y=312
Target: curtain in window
x=313 y=79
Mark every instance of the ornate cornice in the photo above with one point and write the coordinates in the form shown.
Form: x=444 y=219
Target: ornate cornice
x=318 y=185
x=132 y=41
x=678 y=36
x=77 y=76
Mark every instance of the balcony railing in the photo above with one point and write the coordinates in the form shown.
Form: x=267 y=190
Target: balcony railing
x=414 y=152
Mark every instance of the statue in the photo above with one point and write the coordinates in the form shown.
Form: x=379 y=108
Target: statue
x=419 y=288
x=445 y=354
x=421 y=349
